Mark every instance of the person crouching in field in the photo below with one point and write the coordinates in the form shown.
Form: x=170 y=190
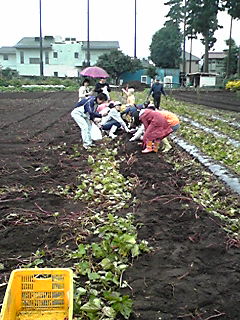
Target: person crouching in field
x=156 y=129
x=113 y=120
x=174 y=122
x=84 y=113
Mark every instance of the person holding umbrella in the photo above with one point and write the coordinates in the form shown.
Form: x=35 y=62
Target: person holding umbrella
x=84 y=113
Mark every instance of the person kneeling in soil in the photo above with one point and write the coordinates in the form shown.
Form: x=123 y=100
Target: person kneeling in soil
x=113 y=120
x=156 y=129
x=84 y=113
x=174 y=122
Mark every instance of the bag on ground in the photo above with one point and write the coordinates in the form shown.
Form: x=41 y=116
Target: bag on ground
x=96 y=133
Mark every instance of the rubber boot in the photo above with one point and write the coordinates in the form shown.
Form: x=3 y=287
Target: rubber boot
x=149 y=147
x=156 y=146
x=166 y=144
x=111 y=132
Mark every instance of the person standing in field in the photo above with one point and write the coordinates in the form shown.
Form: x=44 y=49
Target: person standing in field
x=156 y=91
x=84 y=91
x=130 y=96
x=84 y=113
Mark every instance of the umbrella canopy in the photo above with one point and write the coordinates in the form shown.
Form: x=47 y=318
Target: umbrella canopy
x=94 y=72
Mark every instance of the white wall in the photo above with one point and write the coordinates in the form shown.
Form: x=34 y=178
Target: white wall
x=10 y=63
x=207 y=81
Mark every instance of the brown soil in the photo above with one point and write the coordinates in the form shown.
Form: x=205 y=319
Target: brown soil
x=190 y=274
x=216 y=99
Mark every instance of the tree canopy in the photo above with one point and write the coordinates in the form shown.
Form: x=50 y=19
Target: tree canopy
x=233 y=58
x=116 y=62
x=202 y=18
x=233 y=7
x=165 y=49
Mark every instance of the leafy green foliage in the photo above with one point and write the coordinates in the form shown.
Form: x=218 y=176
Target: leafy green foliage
x=151 y=72
x=105 y=186
x=233 y=7
x=202 y=18
x=165 y=48
x=234 y=51
x=102 y=266
x=116 y=62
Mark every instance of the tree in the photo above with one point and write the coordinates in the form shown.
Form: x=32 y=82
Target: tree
x=116 y=62
x=151 y=72
x=165 y=48
x=233 y=59
x=202 y=18
x=178 y=14
x=233 y=7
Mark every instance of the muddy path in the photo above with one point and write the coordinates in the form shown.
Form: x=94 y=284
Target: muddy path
x=190 y=274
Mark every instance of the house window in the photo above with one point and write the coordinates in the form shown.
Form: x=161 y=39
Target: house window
x=5 y=57
x=34 y=60
x=55 y=74
x=21 y=57
x=55 y=54
x=76 y=55
x=144 y=79
x=46 y=57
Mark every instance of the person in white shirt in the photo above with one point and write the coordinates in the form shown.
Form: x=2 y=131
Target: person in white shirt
x=84 y=91
x=113 y=120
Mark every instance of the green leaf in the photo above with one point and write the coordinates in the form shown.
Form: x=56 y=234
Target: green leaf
x=109 y=312
x=81 y=291
x=106 y=264
x=135 y=251
x=92 y=306
x=93 y=276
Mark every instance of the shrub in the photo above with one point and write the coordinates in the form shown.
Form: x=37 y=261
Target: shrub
x=3 y=82
x=233 y=85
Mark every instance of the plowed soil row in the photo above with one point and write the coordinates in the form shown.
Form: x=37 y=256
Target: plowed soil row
x=189 y=274
x=214 y=99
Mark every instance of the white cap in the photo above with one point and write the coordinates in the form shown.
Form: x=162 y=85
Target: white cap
x=117 y=103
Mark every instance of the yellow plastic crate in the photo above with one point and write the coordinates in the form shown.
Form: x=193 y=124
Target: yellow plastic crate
x=44 y=294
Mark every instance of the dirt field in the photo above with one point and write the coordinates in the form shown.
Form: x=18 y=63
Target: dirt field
x=215 y=99
x=190 y=274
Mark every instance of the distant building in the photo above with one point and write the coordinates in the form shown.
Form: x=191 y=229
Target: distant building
x=201 y=79
x=169 y=77
x=194 y=63
x=216 y=62
x=8 y=57
x=61 y=58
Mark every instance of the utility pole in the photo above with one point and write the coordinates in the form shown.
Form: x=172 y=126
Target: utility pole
x=229 y=50
x=191 y=37
x=41 y=45
x=88 y=37
x=135 y=30
x=238 y=65
x=184 y=39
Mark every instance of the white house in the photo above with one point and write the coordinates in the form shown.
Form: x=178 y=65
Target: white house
x=61 y=58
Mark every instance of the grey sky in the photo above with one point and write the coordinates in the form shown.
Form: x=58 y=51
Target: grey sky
x=109 y=20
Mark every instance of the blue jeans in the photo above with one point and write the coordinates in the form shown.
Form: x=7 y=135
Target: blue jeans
x=176 y=127
x=108 y=125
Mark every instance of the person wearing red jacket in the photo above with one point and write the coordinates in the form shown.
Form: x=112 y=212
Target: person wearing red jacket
x=156 y=128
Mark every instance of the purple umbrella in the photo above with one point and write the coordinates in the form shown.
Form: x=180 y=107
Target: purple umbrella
x=94 y=72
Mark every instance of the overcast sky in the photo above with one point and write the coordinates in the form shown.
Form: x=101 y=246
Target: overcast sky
x=109 y=20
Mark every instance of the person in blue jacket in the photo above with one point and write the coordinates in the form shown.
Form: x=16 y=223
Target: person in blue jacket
x=156 y=91
x=85 y=112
